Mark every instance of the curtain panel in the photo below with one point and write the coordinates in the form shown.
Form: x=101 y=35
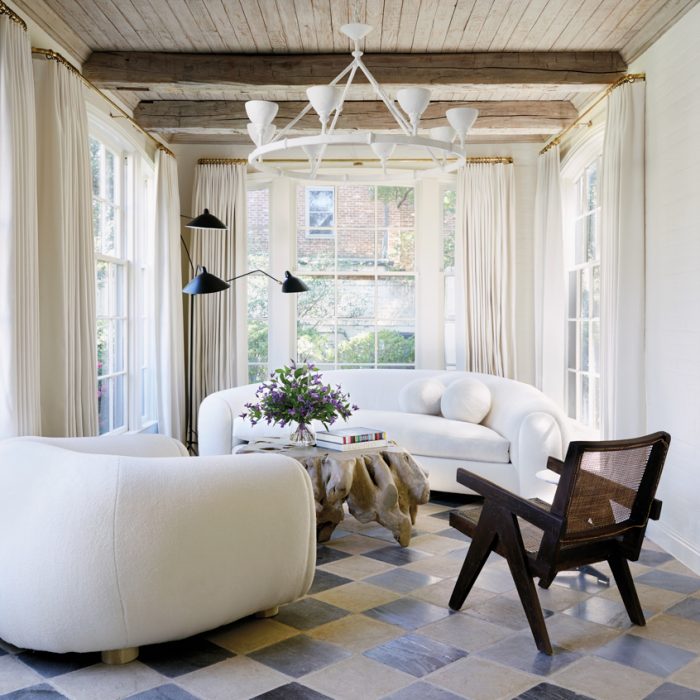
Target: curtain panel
x=485 y=269
x=20 y=412
x=66 y=255
x=622 y=266
x=169 y=335
x=549 y=282
x=219 y=317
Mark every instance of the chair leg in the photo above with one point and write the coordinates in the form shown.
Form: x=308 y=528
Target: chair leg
x=625 y=584
x=479 y=550
x=514 y=548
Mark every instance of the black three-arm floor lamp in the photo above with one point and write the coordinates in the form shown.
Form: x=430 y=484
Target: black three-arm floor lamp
x=204 y=282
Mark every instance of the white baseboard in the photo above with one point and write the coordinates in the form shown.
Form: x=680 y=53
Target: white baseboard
x=686 y=552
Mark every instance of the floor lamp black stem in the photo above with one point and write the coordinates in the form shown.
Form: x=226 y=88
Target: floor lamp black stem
x=190 y=381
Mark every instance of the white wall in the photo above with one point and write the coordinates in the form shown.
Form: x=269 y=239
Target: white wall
x=673 y=276
x=524 y=157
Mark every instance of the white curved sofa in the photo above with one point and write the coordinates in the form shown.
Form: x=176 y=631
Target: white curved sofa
x=522 y=428
x=113 y=543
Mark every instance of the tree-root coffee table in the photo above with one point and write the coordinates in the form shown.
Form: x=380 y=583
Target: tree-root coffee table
x=383 y=484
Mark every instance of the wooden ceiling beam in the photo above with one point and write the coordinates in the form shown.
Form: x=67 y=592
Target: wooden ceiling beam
x=539 y=116
x=576 y=70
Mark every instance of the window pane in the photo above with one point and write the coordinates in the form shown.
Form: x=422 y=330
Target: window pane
x=95 y=165
x=449 y=204
x=571 y=392
x=356 y=342
x=318 y=302
x=585 y=339
x=257 y=341
x=315 y=253
x=356 y=206
x=592 y=186
x=316 y=342
x=595 y=292
x=102 y=347
x=592 y=237
x=396 y=206
x=102 y=292
x=103 y=401
x=110 y=176
x=396 y=249
x=97 y=224
x=580 y=242
x=585 y=416
x=356 y=297
x=396 y=345
x=571 y=346
x=573 y=294
x=594 y=351
x=355 y=249
x=396 y=298
x=585 y=292
x=119 y=397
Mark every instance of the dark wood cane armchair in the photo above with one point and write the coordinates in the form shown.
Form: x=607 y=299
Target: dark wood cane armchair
x=600 y=512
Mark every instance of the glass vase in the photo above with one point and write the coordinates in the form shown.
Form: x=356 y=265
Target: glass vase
x=303 y=436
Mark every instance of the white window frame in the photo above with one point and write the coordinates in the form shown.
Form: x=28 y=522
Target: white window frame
x=573 y=168
x=137 y=218
x=320 y=232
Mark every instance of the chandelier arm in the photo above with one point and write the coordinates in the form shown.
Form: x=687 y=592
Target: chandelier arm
x=317 y=161
x=389 y=103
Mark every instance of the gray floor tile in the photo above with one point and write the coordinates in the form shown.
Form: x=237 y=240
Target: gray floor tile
x=402 y=580
x=398 y=556
x=422 y=691
x=670 y=581
x=299 y=655
x=520 y=651
x=43 y=691
x=610 y=613
x=547 y=691
x=688 y=608
x=671 y=691
x=326 y=555
x=645 y=654
x=292 y=691
x=51 y=665
x=408 y=613
x=652 y=557
x=170 y=691
x=324 y=580
x=309 y=613
x=174 y=659
x=415 y=654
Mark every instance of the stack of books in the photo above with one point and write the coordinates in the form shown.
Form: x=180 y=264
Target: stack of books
x=346 y=439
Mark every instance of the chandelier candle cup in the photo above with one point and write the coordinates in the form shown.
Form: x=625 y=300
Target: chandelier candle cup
x=324 y=99
x=413 y=101
x=461 y=120
x=261 y=112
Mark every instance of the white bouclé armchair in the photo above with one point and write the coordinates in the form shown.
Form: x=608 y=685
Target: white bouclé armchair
x=111 y=543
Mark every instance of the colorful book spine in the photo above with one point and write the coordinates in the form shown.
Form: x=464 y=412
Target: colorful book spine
x=349 y=447
x=348 y=439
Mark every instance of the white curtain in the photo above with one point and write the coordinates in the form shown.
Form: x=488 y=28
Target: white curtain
x=549 y=282
x=20 y=412
x=221 y=188
x=169 y=336
x=622 y=265
x=485 y=269
x=66 y=255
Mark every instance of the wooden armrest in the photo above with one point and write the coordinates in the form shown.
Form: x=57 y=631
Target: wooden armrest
x=555 y=465
x=516 y=504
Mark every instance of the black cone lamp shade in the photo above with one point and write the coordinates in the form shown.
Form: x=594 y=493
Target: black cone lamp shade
x=207 y=220
x=205 y=283
x=292 y=284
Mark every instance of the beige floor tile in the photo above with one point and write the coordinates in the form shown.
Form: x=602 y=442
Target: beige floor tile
x=14 y=675
x=651 y=598
x=605 y=680
x=356 y=544
x=688 y=675
x=356 y=632
x=443 y=566
x=356 y=567
x=107 y=682
x=479 y=679
x=427 y=524
x=674 y=630
x=357 y=596
x=434 y=544
x=233 y=679
x=465 y=632
x=430 y=508
x=358 y=677
x=577 y=634
x=439 y=593
x=251 y=634
x=555 y=598
x=677 y=568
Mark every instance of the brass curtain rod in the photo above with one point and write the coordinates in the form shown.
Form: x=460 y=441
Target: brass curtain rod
x=13 y=16
x=472 y=160
x=52 y=55
x=222 y=161
x=630 y=78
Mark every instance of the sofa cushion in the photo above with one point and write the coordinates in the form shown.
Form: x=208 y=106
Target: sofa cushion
x=422 y=396
x=420 y=434
x=466 y=400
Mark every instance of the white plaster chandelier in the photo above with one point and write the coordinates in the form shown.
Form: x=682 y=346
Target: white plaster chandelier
x=444 y=147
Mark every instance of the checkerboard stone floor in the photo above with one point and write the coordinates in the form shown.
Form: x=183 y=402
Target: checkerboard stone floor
x=376 y=625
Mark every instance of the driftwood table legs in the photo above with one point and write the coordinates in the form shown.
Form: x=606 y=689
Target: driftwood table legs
x=383 y=485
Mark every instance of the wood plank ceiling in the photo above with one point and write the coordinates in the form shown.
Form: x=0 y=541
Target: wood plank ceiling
x=528 y=91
